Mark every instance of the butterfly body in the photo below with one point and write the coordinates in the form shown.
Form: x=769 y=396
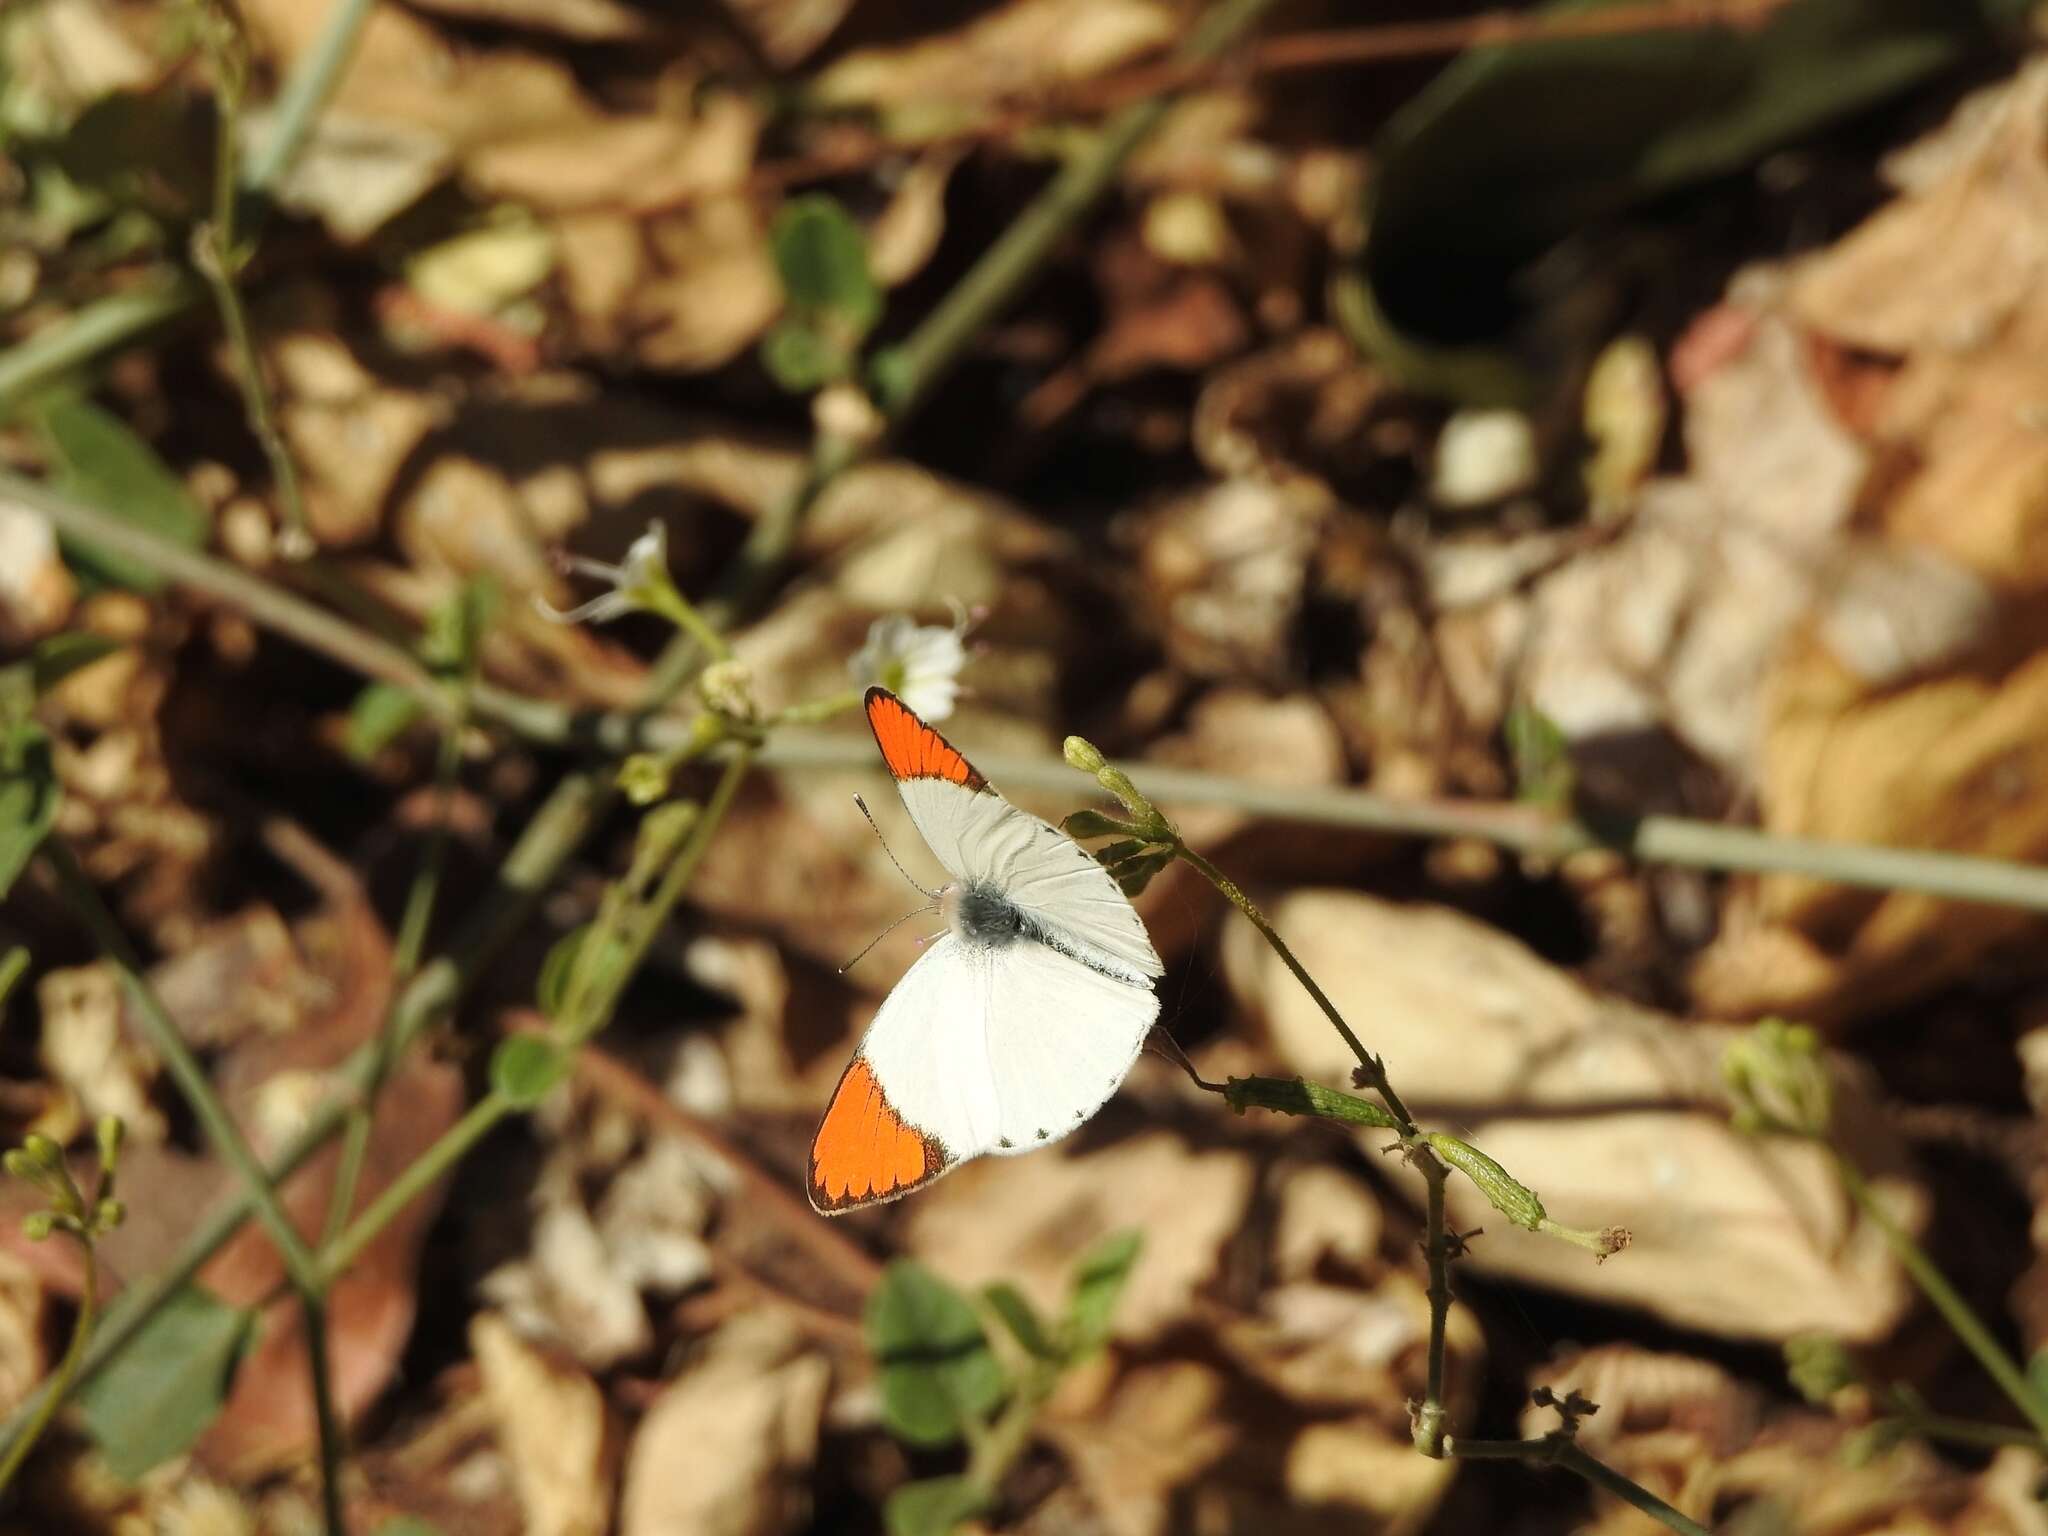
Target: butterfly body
x=1017 y=1022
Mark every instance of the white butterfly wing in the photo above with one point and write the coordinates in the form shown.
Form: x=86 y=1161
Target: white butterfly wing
x=980 y=837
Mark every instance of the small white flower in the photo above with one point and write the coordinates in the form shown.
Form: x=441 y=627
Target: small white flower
x=919 y=664
x=639 y=582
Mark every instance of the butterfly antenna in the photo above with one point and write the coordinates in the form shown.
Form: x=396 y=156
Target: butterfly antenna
x=932 y=895
x=871 y=943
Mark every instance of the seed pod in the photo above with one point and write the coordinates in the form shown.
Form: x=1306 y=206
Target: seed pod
x=1503 y=1191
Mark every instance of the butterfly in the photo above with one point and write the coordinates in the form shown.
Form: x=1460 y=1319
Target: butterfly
x=1016 y=1023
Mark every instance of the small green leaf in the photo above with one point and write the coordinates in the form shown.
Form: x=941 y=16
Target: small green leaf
x=156 y=1398
x=455 y=628
x=1133 y=875
x=801 y=357
x=28 y=796
x=932 y=1507
x=551 y=991
x=524 y=1068
x=1021 y=1318
x=936 y=1366
x=98 y=459
x=1541 y=756
x=823 y=259
x=1098 y=1284
x=58 y=657
x=380 y=714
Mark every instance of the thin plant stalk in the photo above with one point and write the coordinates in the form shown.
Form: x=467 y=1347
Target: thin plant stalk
x=1562 y=1451
x=226 y=1137
x=1955 y=1311
x=1428 y=1429
x=405 y=962
x=67 y=1368
x=456 y=1142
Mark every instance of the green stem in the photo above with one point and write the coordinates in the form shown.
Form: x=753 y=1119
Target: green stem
x=333 y=1442
x=184 y=1067
x=1956 y=1312
x=216 y=264
x=681 y=612
x=996 y=1448
x=1561 y=1451
x=405 y=961
x=312 y=81
x=493 y=1107
x=415 y=1180
x=1648 y=840
x=1374 y=1070
x=226 y=1138
x=11 y=969
x=67 y=1368
x=1428 y=1429
x=910 y=372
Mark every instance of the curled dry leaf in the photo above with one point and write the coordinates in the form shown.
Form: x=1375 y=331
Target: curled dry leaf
x=553 y=1428
x=727 y=1448
x=1611 y=1113
x=24 y=1358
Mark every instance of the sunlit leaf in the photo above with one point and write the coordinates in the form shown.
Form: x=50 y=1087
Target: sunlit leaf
x=28 y=796
x=97 y=459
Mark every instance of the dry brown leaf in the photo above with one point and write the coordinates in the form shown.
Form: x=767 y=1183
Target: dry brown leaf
x=1611 y=1113
x=1028 y=1219
x=727 y=1448
x=1021 y=47
x=1164 y=1426
x=787 y=31
x=37 y=590
x=23 y=1355
x=590 y=21
x=552 y=1427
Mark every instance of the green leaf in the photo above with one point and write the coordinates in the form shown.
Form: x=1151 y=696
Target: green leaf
x=1544 y=774
x=156 y=1397
x=28 y=796
x=936 y=1367
x=1513 y=148
x=1098 y=1285
x=58 y=657
x=932 y=1507
x=551 y=990
x=524 y=1068
x=1021 y=1318
x=801 y=357
x=379 y=716
x=455 y=628
x=822 y=257
x=96 y=458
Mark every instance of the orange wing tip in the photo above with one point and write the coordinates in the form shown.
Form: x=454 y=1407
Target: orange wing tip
x=912 y=749
x=864 y=1151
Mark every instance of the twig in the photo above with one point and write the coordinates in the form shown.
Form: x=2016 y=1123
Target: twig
x=1559 y=1450
x=1522 y=828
